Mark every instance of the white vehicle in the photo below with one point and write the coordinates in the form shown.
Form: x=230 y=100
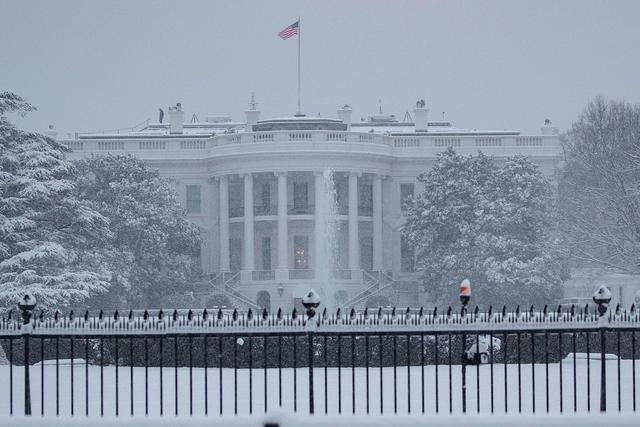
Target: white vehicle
x=481 y=350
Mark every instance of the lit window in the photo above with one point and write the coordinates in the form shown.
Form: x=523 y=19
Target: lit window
x=300 y=252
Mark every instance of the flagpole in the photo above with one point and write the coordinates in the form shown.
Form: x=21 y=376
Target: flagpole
x=299 y=35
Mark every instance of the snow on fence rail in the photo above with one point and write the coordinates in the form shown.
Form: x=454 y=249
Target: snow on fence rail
x=198 y=321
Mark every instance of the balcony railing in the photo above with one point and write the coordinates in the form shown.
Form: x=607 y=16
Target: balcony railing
x=300 y=274
x=261 y=275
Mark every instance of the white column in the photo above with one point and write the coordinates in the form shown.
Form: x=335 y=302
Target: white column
x=354 y=242
x=377 y=222
x=318 y=226
x=247 y=259
x=283 y=229
x=224 y=222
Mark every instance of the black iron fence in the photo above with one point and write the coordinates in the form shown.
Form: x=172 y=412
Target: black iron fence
x=200 y=362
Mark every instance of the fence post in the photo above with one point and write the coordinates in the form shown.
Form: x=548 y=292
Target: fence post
x=310 y=301
x=26 y=306
x=602 y=297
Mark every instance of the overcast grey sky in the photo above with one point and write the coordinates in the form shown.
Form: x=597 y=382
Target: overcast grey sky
x=90 y=65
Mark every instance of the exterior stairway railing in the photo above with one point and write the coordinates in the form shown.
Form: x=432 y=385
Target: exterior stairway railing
x=226 y=283
x=378 y=281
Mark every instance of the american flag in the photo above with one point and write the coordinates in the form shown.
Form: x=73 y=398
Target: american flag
x=291 y=30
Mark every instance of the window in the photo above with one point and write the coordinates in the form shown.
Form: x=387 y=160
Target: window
x=193 y=199
x=365 y=199
x=366 y=253
x=236 y=199
x=300 y=197
x=407 y=256
x=266 y=253
x=235 y=254
x=301 y=252
x=406 y=191
x=265 y=200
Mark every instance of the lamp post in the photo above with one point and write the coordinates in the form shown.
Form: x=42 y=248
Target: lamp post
x=26 y=306
x=602 y=297
x=465 y=296
x=310 y=302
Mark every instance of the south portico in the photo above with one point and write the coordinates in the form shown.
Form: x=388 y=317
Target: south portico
x=260 y=223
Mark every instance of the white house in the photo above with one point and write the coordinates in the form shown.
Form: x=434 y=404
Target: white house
x=251 y=188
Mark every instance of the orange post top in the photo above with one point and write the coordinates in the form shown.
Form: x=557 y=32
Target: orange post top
x=465 y=288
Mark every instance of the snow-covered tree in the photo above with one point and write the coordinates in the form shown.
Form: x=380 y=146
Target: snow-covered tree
x=154 y=250
x=44 y=228
x=492 y=223
x=600 y=187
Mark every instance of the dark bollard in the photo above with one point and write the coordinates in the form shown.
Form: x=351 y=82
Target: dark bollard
x=26 y=306
x=310 y=302
x=602 y=297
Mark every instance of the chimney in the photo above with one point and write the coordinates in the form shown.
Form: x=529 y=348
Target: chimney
x=548 y=128
x=176 y=117
x=421 y=116
x=51 y=133
x=344 y=114
x=252 y=114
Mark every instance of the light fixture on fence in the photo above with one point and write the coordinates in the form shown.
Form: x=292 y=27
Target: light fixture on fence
x=602 y=297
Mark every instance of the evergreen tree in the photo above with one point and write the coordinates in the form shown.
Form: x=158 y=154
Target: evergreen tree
x=154 y=252
x=44 y=227
x=489 y=223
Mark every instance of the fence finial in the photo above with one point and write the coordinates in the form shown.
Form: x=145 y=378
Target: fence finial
x=311 y=301
x=602 y=297
x=26 y=306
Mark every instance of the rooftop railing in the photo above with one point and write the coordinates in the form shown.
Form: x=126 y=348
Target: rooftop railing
x=404 y=142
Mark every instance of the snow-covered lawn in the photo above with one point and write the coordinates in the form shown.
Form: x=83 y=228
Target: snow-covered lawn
x=345 y=393
x=298 y=420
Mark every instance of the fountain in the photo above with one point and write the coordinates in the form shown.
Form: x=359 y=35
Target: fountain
x=327 y=240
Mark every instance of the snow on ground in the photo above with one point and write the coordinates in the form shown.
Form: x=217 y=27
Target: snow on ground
x=406 y=393
x=297 y=420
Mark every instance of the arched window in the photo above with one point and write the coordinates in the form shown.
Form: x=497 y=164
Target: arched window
x=264 y=300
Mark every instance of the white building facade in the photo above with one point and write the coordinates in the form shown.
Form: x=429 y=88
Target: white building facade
x=251 y=189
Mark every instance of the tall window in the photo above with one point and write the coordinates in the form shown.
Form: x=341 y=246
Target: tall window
x=235 y=254
x=266 y=253
x=342 y=195
x=236 y=198
x=366 y=253
x=265 y=199
x=406 y=191
x=407 y=256
x=300 y=197
x=365 y=198
x=193 y=199
x=301 y=252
